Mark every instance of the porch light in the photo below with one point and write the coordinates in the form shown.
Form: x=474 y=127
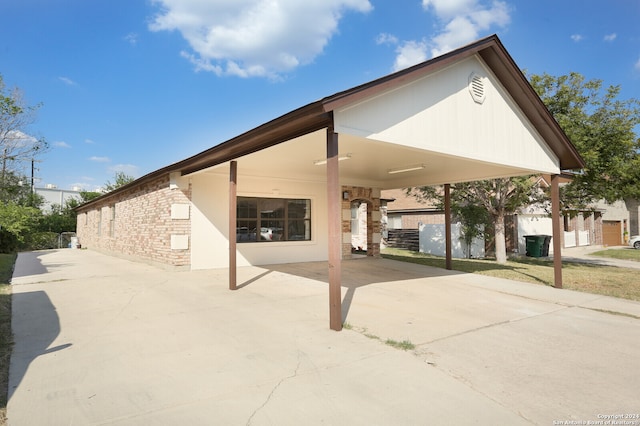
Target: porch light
x=324 y=161
x=406 y=169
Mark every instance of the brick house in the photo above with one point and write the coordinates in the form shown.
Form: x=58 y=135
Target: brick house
x=283 y=192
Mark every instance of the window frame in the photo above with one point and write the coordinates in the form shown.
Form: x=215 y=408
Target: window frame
x=281 y=220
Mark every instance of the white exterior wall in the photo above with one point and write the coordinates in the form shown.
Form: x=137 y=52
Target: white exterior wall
x=56 y=196
x=210 y=222
x=437 y=113
x=616 y=211
x=432 y=241
x=532 y=224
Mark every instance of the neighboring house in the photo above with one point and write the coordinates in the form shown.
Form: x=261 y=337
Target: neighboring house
x=283 y=191
x=53 y=195
x=606 y=224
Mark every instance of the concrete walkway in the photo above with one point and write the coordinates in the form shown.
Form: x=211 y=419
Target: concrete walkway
x=101 y=340
x=585 y=255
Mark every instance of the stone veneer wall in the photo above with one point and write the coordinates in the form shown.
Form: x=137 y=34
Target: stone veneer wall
x=372 y=197
x=150 y=222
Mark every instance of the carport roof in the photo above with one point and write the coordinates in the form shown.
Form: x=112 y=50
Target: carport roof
x=318 y=115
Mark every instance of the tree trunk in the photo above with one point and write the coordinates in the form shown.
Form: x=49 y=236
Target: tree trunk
x=501 y=246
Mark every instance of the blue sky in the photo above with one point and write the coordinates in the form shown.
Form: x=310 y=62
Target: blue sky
x=134 y=86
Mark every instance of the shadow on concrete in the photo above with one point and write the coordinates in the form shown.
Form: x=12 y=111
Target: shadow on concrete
x=361 y=272
x=252 y=280
x=29 y=263
x=35 y=326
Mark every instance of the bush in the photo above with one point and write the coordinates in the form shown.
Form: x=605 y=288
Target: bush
x=8 y=241
x=42 y=241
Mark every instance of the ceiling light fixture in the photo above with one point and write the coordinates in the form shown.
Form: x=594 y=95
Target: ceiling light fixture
x=406 y=169
x=324 y=161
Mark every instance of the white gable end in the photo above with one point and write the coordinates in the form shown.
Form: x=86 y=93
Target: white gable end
x=443 y=113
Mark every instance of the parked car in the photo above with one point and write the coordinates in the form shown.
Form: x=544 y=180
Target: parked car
x=635 y=242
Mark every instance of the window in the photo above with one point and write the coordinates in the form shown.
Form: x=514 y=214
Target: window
x=112 y=221
x=273 y=219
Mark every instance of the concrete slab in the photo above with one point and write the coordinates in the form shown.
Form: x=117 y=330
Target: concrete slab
x=101 y=340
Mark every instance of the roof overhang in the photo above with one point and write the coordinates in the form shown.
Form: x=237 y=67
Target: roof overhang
x=318 y=115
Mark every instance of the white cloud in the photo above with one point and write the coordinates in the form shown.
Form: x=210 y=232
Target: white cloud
x=249 y=38
x=128 y=169
x=464 y=20
x=89 y=142
x=17 y=138
x=459 y=22
x=384 y=38
x=100 y=159
x=637 y=65
x=131 y=38
x=61 y=144
x=67 y=81
x=577 y=37
x=610 y=37
x=410 y=53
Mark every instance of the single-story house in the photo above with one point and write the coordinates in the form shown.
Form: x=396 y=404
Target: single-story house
x=282 y=192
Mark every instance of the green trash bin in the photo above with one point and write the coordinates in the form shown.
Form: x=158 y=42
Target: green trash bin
x=535 y=245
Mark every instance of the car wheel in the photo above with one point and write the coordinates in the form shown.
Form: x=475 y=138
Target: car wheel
x=636 y=245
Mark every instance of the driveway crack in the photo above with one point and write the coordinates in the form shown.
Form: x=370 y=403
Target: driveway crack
x=275 y=388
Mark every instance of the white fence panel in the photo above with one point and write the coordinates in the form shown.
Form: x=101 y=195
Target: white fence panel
x=432 y=241
x=570 y=239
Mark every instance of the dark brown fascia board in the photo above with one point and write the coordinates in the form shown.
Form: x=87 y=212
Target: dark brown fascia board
x=510 y=75
x=405 y=76
x=301 y=121
x=297 y=123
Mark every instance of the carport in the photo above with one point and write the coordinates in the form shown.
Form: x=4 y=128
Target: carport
x=467 y=115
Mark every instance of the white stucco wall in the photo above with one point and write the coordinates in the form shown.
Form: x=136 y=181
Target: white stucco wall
x=210 y=222
x=439 y=108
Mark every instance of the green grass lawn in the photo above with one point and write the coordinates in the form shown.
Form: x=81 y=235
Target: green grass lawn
x=622 y=253
x=596 y=279
x=6 y=338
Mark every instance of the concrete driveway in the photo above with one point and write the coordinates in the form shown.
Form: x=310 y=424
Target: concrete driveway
x=102 y=340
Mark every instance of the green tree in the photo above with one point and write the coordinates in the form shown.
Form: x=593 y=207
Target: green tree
x=21 y=221
x=120 y=179
x=86 y=196
x=497 y=197
x=60 y=218
x=16 y=145
x=601 y=126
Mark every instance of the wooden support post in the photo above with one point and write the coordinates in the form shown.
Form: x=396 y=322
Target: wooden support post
x=557 y=239
x=447 y=225
x=233 y=202
x=335 y=231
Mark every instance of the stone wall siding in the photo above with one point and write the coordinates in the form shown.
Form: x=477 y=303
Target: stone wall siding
x=138 y=223
x=372 y=197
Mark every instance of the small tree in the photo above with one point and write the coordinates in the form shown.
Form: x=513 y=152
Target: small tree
x=16 y=146
x=498 y=197
x=120 y=179
x=474 y=220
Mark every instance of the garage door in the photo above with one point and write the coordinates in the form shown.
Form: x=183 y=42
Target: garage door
x=611 y=233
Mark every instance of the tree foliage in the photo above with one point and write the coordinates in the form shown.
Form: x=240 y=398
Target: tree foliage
x=120 y=179
x=601 y=126
x=16 y=146
x=497 y=197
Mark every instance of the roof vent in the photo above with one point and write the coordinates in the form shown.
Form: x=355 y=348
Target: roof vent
x=476 y=87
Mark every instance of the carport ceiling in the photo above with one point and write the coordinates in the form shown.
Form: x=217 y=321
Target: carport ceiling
x=368 y=164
